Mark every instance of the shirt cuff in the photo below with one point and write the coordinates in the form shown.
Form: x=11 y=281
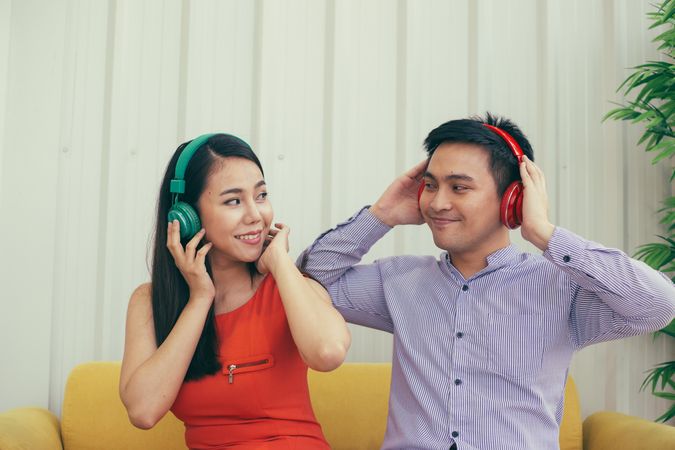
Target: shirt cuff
x=565 y=248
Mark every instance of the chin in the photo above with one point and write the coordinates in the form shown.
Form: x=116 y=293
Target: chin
x=449 y=245
x=249 y=258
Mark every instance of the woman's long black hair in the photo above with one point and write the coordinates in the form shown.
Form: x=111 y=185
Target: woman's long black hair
x=170 y=292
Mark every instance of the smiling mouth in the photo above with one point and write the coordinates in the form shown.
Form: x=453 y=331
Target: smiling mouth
x=248 y=236
x=443 y=219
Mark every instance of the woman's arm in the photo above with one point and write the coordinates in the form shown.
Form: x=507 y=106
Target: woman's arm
x=151 y=377
x=318 y=329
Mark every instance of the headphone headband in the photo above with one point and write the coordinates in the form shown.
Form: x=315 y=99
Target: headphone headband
x=510 y=142
x=177 y=185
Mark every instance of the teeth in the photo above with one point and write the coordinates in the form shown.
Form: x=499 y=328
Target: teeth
x=248 y=237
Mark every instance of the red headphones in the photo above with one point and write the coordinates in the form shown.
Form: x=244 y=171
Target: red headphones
x=511 y=209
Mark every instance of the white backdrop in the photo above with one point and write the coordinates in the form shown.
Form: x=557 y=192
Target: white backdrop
x=336 y=97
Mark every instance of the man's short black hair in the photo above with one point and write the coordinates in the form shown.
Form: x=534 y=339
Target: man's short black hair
x=503 y=163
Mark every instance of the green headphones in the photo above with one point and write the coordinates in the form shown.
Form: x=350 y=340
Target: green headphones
x=185 y=214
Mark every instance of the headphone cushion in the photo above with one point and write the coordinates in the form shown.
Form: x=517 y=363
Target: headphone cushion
x=187 y=218
x=510 y=211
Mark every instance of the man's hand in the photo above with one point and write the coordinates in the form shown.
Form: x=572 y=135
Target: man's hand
x=398 y=204
x=536 y=227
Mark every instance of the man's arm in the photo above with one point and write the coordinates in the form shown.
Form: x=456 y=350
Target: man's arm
x=357 y=290
x=612 y=295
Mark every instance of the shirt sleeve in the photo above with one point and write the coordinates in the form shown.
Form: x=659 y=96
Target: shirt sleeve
x=612 y=295
x=356 y=289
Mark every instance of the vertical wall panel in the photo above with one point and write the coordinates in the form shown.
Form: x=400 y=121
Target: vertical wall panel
x=291 y=114
x=29 y=198
x=143 y=134
x=437 y=72
x=363 y=158
x=5 y=29
x=221 y=49
x=507 y=73
x=78 y=188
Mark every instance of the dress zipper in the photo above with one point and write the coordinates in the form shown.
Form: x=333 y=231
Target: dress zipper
x=232 y=367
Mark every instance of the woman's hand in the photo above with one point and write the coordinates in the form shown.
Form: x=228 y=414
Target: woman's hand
x=191 y=262
x=275 y=246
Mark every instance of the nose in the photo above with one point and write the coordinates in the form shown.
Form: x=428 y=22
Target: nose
x=251 y=212
x=440 y=200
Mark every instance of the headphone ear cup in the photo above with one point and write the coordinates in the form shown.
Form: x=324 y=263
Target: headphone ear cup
x=187 y=218
x=511 y=209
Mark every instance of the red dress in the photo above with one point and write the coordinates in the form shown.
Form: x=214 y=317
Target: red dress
x=260 y=398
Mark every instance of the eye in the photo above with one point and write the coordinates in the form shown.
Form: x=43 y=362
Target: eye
x=232 y=202
x=459 y=188
x=262 y=196
x=429 y=186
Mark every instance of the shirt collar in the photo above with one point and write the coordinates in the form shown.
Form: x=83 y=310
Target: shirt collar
x=496 y=260
x=502 y=257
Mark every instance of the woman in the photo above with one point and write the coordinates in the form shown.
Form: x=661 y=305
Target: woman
x=224 y=333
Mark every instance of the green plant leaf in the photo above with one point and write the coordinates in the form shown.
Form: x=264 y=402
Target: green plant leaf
x=653 y=106
x=669 y=414
x=669 y=330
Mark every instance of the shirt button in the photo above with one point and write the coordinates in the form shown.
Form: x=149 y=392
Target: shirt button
x=566 y=258
x=458 y=382
x=460 y=334
x=455 y=434
x=465 y=288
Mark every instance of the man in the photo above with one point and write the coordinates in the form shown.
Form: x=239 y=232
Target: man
x=483 y=336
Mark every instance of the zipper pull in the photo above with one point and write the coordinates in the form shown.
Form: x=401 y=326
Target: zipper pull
x=231 y=368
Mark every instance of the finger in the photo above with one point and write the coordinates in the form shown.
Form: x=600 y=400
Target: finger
x=540 y=172
x=201 y=253
x=524 y=174
x=173 y=240
x=282 y=227
x=191 y=246
x=417 y=171
x=535 y=171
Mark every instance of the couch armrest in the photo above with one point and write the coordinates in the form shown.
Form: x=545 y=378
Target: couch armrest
x=29 y=428
x=610 y=430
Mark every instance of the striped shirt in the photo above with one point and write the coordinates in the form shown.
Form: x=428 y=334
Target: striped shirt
x=482 y=362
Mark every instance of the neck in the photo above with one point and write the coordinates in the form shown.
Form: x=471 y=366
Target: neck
x=233 y=282
x=470 y=262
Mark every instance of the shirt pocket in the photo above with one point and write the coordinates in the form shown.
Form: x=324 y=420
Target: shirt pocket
x=516 y=345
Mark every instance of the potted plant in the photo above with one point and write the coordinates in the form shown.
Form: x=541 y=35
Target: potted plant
x=653 y=87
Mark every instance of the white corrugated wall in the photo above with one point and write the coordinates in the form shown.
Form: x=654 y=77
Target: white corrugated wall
x=336 y=97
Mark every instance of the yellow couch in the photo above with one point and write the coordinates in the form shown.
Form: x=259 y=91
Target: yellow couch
x=350 y=403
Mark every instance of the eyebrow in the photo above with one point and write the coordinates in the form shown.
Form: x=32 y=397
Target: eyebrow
x=452 y=177
x=240 y=190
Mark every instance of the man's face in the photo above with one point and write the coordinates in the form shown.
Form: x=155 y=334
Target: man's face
x=460 y=202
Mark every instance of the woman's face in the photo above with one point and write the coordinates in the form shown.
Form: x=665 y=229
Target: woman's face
x=234 y=210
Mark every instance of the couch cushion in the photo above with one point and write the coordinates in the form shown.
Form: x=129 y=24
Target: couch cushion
x=571 y=435
x=29 y=428
x=94 y=417
x=353 y=411
x=350 y=403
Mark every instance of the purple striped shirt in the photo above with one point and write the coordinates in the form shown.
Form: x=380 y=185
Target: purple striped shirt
x=482 y=362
